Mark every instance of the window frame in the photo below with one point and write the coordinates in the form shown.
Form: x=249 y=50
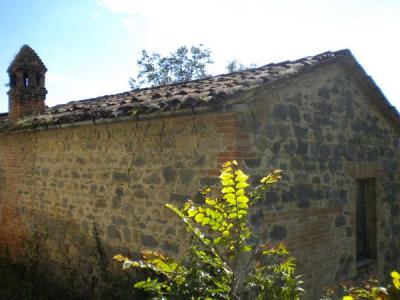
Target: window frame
x=366 y=221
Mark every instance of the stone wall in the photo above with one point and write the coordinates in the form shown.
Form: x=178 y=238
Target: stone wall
x=116 y=176
x=325 y=133
x=321 y=130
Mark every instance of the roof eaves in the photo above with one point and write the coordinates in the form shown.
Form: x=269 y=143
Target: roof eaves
x=351 y=63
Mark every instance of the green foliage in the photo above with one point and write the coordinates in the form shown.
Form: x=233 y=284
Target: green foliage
x=276 y=280
x=235 y=66
x=179 y=66
x=369 y=290
x=108 y=283
x=220 y=241
x=182 y=65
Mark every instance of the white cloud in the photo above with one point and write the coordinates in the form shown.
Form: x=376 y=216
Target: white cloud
x=130 y=23
x=96 y=15
x=63 y=88
x=264 y=31
x=54 y=78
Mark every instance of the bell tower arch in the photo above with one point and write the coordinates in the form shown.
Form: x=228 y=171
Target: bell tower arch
x=27 y=92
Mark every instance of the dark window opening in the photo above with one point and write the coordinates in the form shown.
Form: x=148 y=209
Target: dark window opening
x=366 y=219
x=26 y=79
x=38 y=79
x=13 y=80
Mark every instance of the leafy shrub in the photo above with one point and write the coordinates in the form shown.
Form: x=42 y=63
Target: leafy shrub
x=221 y=264
x=369 y=290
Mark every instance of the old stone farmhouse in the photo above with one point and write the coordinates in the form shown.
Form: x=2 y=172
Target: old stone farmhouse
x=115 y=160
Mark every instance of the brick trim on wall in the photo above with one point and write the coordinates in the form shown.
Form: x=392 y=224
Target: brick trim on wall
x=237 y=143
x=10 y=230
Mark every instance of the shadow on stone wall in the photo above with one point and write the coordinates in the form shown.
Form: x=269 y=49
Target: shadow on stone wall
x=57 y=262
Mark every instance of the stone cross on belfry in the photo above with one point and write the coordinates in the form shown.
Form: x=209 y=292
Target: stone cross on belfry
x=27 y=92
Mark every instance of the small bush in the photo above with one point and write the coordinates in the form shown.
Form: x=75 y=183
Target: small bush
x=221 y=263
x=368 y=290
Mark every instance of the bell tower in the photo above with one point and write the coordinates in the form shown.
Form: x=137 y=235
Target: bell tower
x=27 y=91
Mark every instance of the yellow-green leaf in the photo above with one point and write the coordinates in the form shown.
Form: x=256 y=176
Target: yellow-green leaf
x=226 y=176
x=396 y=279
x=209 y=212
x=226 y=164
x=228 y=182
x=227 y=170
x=246 y=248
x=225 y=233
x=232 y=215
x=243 y=205
x=187 y=205
x=227 y=190
x=210 y=201
x=206 y=191
x=243 y=199
x=205 y=221
x=229 y=196
x=192 y=212
x=242 y=185
x=242 y=212
x=240 y=176
x=217 y=240
x=215 y=226
x=199 y=217
x=395 y=274
x=240 y=192
x=231 y=201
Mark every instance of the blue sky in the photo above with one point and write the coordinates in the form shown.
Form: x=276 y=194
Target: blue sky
x=90 y=47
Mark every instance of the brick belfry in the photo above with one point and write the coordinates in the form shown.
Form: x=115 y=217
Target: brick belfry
x=27 y=92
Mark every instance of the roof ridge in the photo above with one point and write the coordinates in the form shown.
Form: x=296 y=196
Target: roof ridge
x=210 y=91
x=324 y=55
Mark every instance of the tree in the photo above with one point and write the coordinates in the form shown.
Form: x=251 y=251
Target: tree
x=220 y=263
x=182 y=65
x=235 y=66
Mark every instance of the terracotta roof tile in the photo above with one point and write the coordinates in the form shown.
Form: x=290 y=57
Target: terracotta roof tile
x=202 y=92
